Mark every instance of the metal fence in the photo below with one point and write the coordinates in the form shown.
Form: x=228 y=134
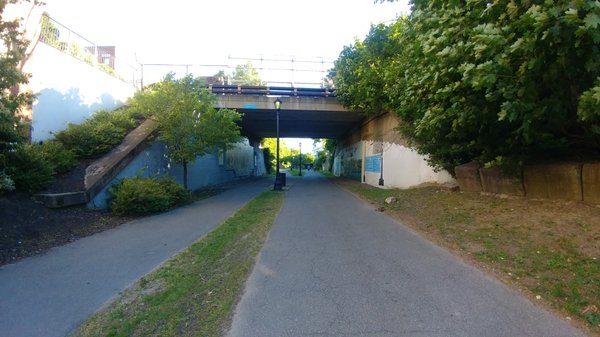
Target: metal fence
x=270 y=90
x=69 y=42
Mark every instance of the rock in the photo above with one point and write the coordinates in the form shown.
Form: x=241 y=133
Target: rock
x=390 y=200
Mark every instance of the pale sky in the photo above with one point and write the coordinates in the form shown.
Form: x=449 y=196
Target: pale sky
x=208 y=32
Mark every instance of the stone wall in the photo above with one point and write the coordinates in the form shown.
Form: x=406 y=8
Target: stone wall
x=566 y=181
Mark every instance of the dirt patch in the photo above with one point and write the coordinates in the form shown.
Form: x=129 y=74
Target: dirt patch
x=28 y=228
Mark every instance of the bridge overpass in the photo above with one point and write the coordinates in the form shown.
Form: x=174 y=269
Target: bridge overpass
x=305 y=112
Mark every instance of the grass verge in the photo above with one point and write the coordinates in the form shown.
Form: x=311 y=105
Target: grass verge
x=549 y=248
x=194 y=293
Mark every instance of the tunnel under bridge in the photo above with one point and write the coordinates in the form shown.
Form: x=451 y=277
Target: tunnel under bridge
x=304 y=112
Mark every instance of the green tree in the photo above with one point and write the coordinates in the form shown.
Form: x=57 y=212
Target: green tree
x=190 y=126
x=327 y=152
x=269 y=146
x=246 y=75
x=499 y=82
x=12 y=54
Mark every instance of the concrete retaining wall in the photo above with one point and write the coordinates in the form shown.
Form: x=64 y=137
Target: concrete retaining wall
x=207 y=170
x=68 y=91
x=564 y=181
x=377 y=150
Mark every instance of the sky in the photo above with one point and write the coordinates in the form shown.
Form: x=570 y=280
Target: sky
x=199 y=32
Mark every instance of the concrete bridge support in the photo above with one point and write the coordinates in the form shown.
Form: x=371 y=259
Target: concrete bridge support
x=376 y=154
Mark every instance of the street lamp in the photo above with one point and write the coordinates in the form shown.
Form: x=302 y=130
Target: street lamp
x=278 y=181
x=300 y=174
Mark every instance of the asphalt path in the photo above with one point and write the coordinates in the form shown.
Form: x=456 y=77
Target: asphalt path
x=334 y=266
x=52 y=294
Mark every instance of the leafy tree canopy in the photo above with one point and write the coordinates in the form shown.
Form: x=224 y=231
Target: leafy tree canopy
x=501 y=82
x=190 y=125
x=12 y=54
x=246 y=75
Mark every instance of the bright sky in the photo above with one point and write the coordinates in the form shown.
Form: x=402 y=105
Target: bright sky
x=208 y=32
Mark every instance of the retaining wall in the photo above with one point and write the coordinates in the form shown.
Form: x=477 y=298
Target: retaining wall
x=68 y=91
x=211 y=169
x=565 y=181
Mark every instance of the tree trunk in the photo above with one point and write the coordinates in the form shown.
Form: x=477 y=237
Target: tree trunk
x=185 y=183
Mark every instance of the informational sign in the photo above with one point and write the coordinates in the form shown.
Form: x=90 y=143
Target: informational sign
x=373 y=163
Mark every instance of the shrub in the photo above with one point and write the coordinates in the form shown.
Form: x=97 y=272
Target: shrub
x=6 y=183
x=120 y=118
x=29 y=169
x=178 y=194
x=141 y=196
x=91 y=139
x=60 y=158
x=99 y=134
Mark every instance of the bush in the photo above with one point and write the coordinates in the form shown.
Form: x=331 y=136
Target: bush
x=90 y=140
x=141 y=196
x=29 y=169
x=6 y=183
x=99 y=134
x=60 y=158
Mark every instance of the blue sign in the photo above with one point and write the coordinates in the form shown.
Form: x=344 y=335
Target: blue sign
x=249 y=106
x=373 y=163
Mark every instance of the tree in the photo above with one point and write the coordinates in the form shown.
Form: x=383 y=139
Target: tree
x=328 y=151
x=12 y=53
x=246 y=75
x=269 y=146
x=501 y=83
x=190 y=126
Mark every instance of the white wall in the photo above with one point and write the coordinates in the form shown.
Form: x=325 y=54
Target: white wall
x=68 y=91
x=403 y=167
x=379 y=138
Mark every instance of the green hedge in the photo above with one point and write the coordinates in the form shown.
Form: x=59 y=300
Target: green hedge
x=100 y=133
x=33 y=167
x=141 y=196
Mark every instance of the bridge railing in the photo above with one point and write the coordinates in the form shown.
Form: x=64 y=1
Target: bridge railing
x=220 y=89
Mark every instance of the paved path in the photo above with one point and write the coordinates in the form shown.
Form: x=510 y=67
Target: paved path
x=333 y=266
x=51 y=294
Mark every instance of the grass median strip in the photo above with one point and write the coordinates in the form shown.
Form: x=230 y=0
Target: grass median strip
x=551 y=248
x=194 y=293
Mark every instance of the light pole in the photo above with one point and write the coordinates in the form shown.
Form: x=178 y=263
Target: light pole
x=278 y=181
x=300 y=174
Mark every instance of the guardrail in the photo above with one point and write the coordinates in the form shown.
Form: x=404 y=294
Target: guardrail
x=220 y=89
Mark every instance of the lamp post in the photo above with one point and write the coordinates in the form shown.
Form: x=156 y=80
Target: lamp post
x=278 y=181
x=300 y=173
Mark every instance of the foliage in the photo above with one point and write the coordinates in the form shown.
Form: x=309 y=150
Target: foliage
x=293 y=160
x=33 y=166
x=497 y=82
x=59 y=158
x=12 y=54
x=268 y=158
x=141 y=196
x=98 y=134
x=359 y=71
x=246 y=75
x=270 y=145
x=6 y=183
x=190 y=126
x=30 y=169
x=327 y=153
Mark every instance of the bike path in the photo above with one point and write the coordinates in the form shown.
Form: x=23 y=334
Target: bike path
x=334 y=266
x=52 y=294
